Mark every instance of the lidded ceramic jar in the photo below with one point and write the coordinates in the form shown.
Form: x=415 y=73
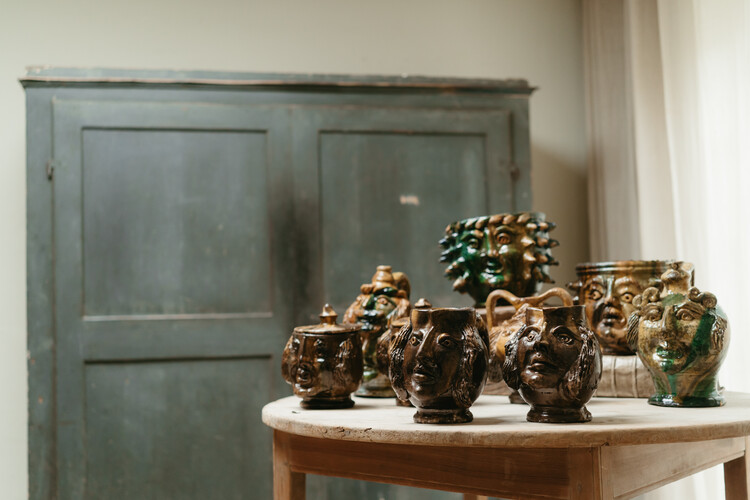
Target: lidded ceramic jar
x=323 y=362
x=607 y=290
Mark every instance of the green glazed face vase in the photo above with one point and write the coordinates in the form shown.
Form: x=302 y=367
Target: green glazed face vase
x=384 y=300
x=504 y=251
x=681 y=336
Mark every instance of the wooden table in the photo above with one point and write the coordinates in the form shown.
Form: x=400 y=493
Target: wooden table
x=627 y=449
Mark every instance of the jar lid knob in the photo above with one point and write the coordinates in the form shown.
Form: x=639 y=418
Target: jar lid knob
x=328 y=315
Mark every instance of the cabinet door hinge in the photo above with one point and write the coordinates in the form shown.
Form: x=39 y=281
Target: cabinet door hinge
x=51 y=169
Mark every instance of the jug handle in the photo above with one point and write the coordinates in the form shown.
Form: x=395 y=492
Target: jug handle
x=517 y=302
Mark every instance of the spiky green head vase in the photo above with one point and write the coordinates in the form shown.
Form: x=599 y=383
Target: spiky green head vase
x=505 y=251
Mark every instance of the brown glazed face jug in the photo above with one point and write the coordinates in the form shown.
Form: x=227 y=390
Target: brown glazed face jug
x=385 y=344
x=439 y=363
x=323 y=362
x=555 y=363
x=500 y=333
x=607 y=290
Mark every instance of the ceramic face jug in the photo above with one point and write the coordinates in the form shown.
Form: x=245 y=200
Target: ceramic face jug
x=682 y=336
x=501 y=332
x=383 y=300
x=439 y=363
x=607 y=290
x=324 y=362
x=385 y=343
x=505 y=251
x=554 y=362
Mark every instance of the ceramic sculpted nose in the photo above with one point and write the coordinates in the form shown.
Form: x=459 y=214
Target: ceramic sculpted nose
x=492 y=249
x=542 y=342
x=667 y=324
x=426 y=348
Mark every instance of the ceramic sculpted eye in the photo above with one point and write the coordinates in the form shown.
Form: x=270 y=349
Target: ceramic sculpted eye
x=626 y=297
x=653 y=313
x=446 y=341
x=594 y=294
x=531 y=334
x=504 y=238
x=565 y=336
x=415 y=340
x=686 y=315
x=473 y=243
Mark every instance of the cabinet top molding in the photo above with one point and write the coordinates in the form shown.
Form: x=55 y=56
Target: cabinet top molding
x=47 y=76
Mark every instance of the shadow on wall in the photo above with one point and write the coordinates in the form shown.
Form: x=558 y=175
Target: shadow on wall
x=559 y=188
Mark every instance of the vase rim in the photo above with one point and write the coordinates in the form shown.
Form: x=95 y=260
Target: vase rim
x=657 y=266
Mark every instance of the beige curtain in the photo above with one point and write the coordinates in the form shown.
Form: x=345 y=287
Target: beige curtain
x=686 y=136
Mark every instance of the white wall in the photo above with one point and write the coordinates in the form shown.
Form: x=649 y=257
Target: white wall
x=534 y=39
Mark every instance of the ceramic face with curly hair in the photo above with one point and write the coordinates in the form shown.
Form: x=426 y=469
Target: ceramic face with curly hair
x=504 y=251
x=439 y=363
x=681 y=335
x=554 y=362
x=383 y=300
x=607 y=289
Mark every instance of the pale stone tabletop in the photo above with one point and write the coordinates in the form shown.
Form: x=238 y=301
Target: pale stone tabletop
x=498 y=423
x=628 y=448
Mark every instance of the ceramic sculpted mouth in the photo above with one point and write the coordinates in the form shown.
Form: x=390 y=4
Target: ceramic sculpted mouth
x=304 y=376
x=424 y=375
x=671 y=354
x=611 y=317
x=541 y=364
x=492 y=267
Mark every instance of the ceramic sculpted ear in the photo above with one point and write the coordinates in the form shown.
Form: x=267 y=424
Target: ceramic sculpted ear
x=396 y=367
x=511 y=367
x=633 y=322
x=286 y=361
x=343 y=354
x=482 y=330
x=718 y=331
x=580 y=372
x=465 y=390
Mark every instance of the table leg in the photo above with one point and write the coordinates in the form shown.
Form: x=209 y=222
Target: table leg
x=588 y=469
x=737 y=476
x=287 y=484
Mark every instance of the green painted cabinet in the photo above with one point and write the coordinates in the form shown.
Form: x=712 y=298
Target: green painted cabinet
x=179 y=226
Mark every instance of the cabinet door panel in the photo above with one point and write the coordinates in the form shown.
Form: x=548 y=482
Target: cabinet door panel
x=171 y=306
x=383 y=186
